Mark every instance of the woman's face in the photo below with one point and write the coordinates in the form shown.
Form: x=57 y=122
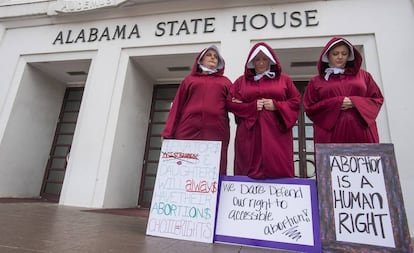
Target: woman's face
x=210 y=59
x=261 y=63
x=338 y=56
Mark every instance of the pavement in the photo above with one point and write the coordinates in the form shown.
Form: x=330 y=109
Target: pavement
x=44 y=227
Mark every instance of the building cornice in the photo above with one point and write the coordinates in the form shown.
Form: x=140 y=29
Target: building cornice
x=24 y=13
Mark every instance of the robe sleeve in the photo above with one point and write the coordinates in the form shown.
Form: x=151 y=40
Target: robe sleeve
x=175 y=111
x=323 y=113
x=288 y=109
x=369 y=105
x=246 y=111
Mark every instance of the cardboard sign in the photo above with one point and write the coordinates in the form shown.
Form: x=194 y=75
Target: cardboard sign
x=185 y=193
x=360 y=200
x=272 y=213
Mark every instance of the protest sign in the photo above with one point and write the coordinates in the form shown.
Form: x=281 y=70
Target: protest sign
x=360 y=200
x=185 y=193
x=271 y=213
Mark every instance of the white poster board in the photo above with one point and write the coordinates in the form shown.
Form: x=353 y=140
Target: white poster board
x=185 y=193
x=360 y=202
x=272 y=213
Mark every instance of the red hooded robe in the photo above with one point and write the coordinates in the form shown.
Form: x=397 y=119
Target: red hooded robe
x=264 y=141
x=199 y=110
x=323 y=99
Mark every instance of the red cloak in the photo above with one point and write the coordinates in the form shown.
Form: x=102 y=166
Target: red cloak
x=199 y=109
x=323 y=99
x=264 y=141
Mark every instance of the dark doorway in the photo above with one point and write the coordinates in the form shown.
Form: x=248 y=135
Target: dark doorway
x=162 y=98
x=60 y=150
x=303 y=141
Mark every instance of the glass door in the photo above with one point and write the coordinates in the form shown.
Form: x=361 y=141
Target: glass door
x=303 y=146
x=60 y=150
x=162 y=98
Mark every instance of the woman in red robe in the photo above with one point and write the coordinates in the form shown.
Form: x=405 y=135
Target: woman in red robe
x=266 y=105
x=343 y=100
x=198 y=111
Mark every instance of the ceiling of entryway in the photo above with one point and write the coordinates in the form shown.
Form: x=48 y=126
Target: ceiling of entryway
x=71 y=73
x=299 y=63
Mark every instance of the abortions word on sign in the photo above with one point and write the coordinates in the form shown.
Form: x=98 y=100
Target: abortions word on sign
x=357 y=183
x=273 y=213
x=185 y=193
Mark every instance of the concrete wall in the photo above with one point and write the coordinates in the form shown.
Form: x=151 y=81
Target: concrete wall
x=130 y=137
x=25 y=146
x=87 y=169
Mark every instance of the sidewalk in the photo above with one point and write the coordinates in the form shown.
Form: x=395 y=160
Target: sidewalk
x=41 y=227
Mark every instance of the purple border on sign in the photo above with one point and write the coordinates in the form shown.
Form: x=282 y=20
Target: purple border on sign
x=273 y=244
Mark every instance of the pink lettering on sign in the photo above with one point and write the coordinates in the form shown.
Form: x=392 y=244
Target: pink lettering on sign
x=203 y=186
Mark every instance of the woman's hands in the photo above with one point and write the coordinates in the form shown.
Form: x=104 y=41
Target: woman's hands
x=235 y=100
x=265 y=103
x=347 y=104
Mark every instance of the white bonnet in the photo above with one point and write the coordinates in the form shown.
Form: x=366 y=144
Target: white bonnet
x=220 y=64
x=256 y=51
x=351 y=50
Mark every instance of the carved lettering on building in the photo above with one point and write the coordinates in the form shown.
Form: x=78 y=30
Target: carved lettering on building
x=94 y=34
x=192 y=26
x=67 y=6
x=275 y=20
x=240 y=23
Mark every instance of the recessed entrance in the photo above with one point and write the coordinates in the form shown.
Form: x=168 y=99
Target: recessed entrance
x=299 y=63
x=60 y=150
x=162 y=98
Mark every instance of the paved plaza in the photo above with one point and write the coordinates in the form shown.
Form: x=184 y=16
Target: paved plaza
x=41 y=227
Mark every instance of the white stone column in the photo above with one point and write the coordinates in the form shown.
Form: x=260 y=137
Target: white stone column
x=87 y=170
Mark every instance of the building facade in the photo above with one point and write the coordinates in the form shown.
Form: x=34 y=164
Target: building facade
x=86 y=84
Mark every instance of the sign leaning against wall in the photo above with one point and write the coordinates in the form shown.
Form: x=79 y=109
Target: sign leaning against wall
x=360 y=201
